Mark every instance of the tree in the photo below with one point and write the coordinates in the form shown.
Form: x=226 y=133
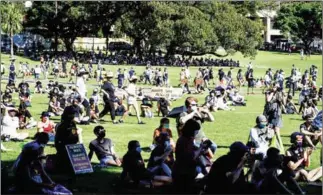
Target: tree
x=72 y=20
x=302 y=21
x=234 y=31
x=12 y=16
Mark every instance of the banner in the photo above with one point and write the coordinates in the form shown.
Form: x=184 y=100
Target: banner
x=168 y=93
x=79 y=159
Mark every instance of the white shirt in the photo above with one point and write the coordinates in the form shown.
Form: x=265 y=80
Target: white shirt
x=267 y=78
x=81 y=86
x=249 y=66
x=9 y=126
x=187 y=72
x=131 y=90
x=37 y=70
x=259 y=136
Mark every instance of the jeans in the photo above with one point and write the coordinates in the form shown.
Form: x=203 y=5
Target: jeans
x=162 y=166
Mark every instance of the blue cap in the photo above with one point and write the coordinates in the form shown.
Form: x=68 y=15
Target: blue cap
x=238 y=147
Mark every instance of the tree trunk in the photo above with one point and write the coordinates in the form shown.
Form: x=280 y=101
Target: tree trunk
x=56 y=43
x=137 y=47
x=170 y=50
x=69 y=44
x=11 y=42
x=107 y=45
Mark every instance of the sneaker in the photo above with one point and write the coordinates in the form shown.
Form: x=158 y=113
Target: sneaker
x=115 y=122
x=121 y=121
x=141 y=123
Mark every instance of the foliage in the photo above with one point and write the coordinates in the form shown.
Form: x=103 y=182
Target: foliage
x=11 y=19
x=302 y=20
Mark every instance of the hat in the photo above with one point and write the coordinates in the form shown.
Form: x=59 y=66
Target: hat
x=13 y=110
x=109 y=74
x=238 y=147
x=95 y=90
x=261 y=118
x=45 y=114
x=134 y=77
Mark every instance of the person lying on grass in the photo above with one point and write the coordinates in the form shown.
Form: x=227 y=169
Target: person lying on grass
x=103 y=148
x=302 y=155
x=135 y=170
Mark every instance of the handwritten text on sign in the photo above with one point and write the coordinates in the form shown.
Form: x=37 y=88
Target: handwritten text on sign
x=79 y=158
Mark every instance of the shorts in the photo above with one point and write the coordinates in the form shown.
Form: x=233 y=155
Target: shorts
x=104 y=160
x=51 y=137
x=250 y=83
x=37 y=76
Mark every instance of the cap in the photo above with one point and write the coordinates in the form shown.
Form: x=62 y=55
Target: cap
x=261 y=118
x=238 y=147
x=45 y=114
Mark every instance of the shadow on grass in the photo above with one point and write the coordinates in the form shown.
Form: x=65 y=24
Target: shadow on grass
x=226 y=147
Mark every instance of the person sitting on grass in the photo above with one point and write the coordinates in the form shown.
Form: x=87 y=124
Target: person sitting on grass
x=80 y=117
x=103 y=148
x=309 y=109
x=121 y=110
x=24 y=94
x=163 y=128
x=93 y=111
x=47 y=126
x=162 y=157
x=134 y=168
x=312 y=134
x=274 y=177
x=302 y=155
x=30 y=175
x=211 y=102
x=289 y=107
x=54 y=107
x=7 y=99
x=236 y=98
x=10 y=124
x=23 y=114
x=146 y=107
x=163 y=106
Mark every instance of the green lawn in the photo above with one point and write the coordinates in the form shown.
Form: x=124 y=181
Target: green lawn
x=229 y=126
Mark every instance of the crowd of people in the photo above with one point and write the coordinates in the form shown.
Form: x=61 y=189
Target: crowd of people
x=185 y=163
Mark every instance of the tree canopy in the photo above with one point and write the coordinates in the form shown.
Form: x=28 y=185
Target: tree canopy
x=187 y=28
x=301 y=20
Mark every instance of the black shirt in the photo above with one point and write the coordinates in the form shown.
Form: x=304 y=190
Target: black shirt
x=110 y=89
x=219 y=183
x=101 y=149
x=135 y=166
x=66 y=133
x=159 y=151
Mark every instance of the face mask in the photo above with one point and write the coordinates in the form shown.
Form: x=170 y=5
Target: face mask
x=194 y=108
x=196 y=132
x=101 y=135
x=299 y=144
x=166 y=126
x=261 y=126
x=42 y=145
x=138 y=149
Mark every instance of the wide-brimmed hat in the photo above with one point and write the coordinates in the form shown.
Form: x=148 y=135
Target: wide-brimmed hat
x=133 y=78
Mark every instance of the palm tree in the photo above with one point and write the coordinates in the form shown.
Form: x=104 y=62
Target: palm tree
x=11 y=21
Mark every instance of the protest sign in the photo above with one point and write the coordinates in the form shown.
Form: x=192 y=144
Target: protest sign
x=79 y=159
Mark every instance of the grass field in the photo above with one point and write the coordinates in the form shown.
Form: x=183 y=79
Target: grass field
x=229 y=126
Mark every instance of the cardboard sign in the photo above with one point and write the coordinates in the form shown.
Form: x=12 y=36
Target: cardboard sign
x=168 y=93
x=79 y=159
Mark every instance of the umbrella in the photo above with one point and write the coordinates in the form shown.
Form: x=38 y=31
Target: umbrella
x=175 y=112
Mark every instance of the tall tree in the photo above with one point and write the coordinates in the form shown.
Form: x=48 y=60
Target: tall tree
x=234 y=31
x=11 y=21
x=303 y=21
x=73 y=19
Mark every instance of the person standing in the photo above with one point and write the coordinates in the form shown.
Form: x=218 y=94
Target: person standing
x=37 y=72
x=273 y=112
x=109 y=98
x=251 y=83
x=302 y=54
x=292 y=82
x=132 y=97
